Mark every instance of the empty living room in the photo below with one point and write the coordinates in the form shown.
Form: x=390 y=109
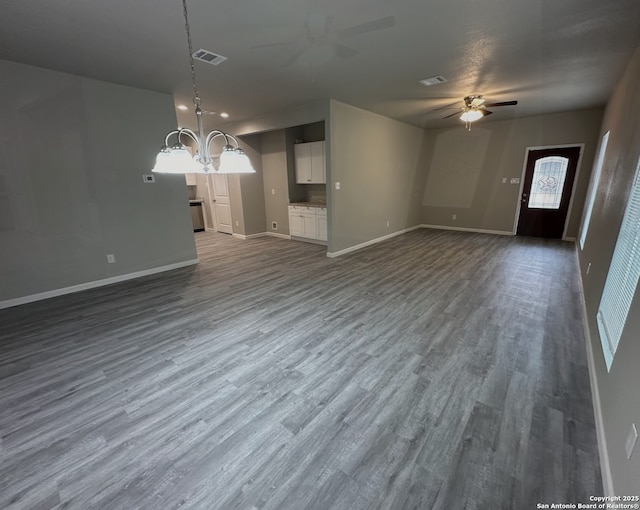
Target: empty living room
x=313 y=255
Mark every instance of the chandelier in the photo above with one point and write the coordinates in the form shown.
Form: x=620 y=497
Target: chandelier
x=176 y=158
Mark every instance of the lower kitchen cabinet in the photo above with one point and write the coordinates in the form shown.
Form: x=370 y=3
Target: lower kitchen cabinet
x=308 y=222
x=303 y=225
x=321 y=224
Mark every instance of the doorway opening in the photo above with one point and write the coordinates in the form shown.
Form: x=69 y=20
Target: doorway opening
x=547 y=189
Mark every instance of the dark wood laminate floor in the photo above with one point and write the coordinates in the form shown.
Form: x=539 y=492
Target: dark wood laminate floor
x=436 y=370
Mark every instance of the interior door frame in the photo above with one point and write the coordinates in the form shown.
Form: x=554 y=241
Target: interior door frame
x=573 y=189
x=212 y=206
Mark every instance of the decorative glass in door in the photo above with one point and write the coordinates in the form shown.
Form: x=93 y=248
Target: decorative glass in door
x=549 y=175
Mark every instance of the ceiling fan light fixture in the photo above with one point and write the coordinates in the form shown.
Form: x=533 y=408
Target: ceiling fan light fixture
x=471 y=115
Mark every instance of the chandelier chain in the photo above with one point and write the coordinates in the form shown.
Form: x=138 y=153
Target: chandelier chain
x=196 y=97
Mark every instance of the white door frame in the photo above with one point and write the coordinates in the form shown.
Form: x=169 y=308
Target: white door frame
x=212 y=223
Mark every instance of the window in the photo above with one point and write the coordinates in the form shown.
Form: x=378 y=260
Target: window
x=595 y=181
x=548 y=182
x=623 y=275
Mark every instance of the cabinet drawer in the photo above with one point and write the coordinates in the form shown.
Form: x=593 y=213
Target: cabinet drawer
x=301 y=209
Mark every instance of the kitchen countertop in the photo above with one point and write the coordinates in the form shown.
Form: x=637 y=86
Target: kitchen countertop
x=308 y=204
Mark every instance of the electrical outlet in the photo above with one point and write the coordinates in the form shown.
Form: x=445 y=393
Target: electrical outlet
x=274 y=225
x=504 y=180
x=515 y=180
x=631 y=440
x=273 y=191
x=387 y=223
x=454 y=216
x=111 y=258
x=148 y=178
x=337 y=185
x=237 y=223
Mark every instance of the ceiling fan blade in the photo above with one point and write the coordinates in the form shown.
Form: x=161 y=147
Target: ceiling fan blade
x=503 y=103
x=485 y=112
x=369 y=26
x=452 y=115
x=449 y=106
x=294 y=58
x=344 y=51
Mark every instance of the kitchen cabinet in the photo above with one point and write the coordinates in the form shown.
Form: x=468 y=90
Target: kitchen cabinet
x=321 y=224
x=310 y=163
x=191 y=179
x=308 y=222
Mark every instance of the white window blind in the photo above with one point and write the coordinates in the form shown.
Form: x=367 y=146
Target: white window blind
x=595 y=181
x=622 y=279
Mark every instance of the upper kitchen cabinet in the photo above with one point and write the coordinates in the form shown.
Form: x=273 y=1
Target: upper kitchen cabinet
x=310 y=163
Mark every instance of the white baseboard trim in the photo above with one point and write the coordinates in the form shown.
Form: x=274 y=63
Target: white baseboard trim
x=279 y=236
x=603 y=452
x=370 y=243
x=94 y=284
x=465 y=229
x=249 y=236
x=261 y=234
x=309 y=240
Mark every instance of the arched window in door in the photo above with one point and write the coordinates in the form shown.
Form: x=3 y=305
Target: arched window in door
x=549 y=175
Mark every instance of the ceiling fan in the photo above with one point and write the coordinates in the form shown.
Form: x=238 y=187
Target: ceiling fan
x=321 y=43
x=475 y=108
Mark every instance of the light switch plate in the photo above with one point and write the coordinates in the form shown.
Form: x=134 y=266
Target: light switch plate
x=631 y=440
x=515 y=180
x=337 y=185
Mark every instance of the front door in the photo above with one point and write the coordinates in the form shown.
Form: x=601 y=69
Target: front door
x=548 y=182
x=221 y=203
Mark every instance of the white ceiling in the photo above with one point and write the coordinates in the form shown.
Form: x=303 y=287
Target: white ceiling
x=550 y=55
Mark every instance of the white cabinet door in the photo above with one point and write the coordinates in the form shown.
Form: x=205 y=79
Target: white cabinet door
x=310 y=163
x=318 y=169
x=296 y=225
x=322 y=227
x=302 y=153
x=310 y=225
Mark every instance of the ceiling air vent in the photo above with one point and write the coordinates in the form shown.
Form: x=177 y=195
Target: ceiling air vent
x=435 y=80
x=209 y=57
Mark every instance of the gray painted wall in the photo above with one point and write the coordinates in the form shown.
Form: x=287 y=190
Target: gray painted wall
x=466 y=168
x=379 y=163
x=275 y=179
x=619 y=390
x=252 y=192
x=72 y=155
